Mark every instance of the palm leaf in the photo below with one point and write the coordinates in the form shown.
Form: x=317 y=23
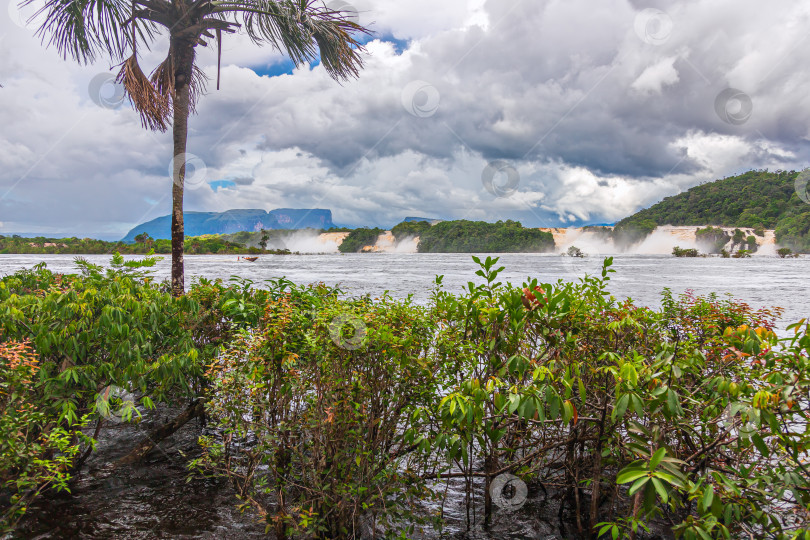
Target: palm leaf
x=84 y=28
x=153 y=106
x=301 y=29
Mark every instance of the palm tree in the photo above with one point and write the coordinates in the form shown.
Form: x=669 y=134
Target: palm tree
x=305 y=30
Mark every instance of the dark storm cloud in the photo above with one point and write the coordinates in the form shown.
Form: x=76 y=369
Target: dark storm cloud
x=598 y=119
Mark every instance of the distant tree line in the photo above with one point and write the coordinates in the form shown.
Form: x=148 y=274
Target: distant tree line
x=460 y=236
x=201 y=245
x=409 y=229
x=464 y=236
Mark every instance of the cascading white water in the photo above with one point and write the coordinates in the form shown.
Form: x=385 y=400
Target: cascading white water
x=659 y=242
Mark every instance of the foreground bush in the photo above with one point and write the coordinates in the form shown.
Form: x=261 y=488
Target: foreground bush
x=326 y=443
x=336 y=417
x=78 y=351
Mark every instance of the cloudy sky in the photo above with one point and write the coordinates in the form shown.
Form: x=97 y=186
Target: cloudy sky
x=552 y=112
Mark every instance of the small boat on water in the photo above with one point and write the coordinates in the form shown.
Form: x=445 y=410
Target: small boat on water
x=251 y=259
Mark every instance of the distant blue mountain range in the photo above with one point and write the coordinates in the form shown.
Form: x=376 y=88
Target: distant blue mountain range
x=412 y=218
x=231 y=221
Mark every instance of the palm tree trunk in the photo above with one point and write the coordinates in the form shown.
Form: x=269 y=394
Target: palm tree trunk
x=184 y=62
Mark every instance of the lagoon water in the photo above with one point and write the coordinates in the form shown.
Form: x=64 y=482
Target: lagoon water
x=760 y=281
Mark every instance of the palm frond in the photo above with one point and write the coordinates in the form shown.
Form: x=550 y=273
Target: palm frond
x=340 y=52
x=153 y=106
x=83 y=28
x=304 y=30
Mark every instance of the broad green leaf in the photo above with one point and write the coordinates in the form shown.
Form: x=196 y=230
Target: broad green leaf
x=661 y=489
x=629 y=474
x=657 y=457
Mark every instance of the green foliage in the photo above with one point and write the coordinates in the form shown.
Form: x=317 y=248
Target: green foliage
x=88 y=339
x=630 y=231
x=144 y=238
x=331 y=413
x=410 y=229
x=277 y=239
x=786 y=253
x=713 y=239
x=464 y=236
x=34 y=452
x=757 y=199
x=360 y=238
x=574 y=251
x=688 y=252
x=793 y=229
x=339 y=391
x=143 y=244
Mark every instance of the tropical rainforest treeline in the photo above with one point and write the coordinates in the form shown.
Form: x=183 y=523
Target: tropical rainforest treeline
x=195 y=245
x=459 y=236
x=341 y=417
x=756 y=199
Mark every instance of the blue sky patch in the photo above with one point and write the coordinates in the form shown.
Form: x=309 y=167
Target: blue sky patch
x=216 y=184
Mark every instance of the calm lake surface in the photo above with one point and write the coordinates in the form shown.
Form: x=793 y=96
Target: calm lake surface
x=153 y=499
x=759 y=281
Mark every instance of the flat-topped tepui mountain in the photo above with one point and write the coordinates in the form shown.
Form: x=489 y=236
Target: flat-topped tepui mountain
x=231 y=221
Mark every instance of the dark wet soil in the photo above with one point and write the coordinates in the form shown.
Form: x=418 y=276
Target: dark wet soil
x=157 y=498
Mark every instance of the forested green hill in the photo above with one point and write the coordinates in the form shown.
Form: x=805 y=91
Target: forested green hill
x=462 y=236
x=757 y=198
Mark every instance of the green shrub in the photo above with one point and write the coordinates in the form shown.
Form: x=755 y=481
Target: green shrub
x=688 y=252
x=339 y=391
x=360 y=238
